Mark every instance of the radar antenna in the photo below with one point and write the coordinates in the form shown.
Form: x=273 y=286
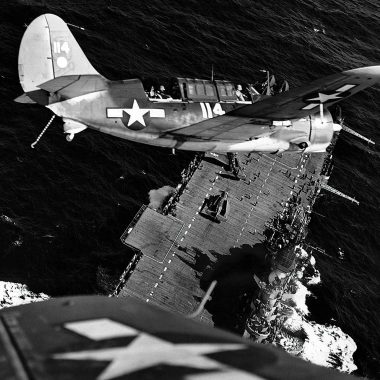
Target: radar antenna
x=347 y=129
x=325 y=186
x=354 y=133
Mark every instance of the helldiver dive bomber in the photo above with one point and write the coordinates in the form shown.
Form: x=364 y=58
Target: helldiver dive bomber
x=205 y=115
x=234 y=202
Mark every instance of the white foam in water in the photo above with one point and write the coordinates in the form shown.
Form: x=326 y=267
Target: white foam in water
x=325 y=345
x=13 y=294
x=316 y=279
x=299 y=298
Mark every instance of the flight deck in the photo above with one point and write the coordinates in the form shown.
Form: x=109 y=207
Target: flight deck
x=177 y=247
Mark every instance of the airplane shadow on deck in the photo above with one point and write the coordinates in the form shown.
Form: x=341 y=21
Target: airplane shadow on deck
x=201 y=263
x=236 y=287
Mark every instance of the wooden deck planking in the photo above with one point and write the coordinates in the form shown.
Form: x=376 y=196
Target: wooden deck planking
x=173 y=281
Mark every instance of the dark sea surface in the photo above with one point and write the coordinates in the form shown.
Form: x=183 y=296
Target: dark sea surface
x=70 y=202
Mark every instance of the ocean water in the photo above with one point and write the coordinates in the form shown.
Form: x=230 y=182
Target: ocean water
x=70 y=202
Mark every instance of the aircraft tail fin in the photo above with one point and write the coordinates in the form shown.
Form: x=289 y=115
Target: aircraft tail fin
x=48 y=50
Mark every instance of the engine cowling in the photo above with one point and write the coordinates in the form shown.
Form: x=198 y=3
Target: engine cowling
x=321 y=132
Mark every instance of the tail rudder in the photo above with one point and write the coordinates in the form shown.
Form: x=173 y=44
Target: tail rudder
x=48 y=50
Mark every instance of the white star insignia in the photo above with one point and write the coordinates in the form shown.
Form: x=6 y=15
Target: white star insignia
x=146 y=351
x=136 y=114
x=322 y=98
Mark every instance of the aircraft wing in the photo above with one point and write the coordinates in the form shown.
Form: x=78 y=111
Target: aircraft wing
x=93 y=337
x=294 y=104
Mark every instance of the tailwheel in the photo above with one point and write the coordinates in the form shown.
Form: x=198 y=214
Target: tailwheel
x=303 y=145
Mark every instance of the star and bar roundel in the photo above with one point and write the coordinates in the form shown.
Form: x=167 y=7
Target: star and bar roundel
x=144 y=352
x=315 y=99
x=135 y=117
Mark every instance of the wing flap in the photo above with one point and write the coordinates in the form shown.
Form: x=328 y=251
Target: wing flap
x=225 y=127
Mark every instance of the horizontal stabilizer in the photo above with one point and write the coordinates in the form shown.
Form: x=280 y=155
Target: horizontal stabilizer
x=57 y=84
x=24 y=99
x=70 y=86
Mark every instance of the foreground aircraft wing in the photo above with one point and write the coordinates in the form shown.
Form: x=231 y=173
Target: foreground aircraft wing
x=93 y=337
x=294 y=104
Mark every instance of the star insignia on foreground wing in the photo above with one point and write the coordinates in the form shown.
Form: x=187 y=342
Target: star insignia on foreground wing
x=147 y=351
x=136 y=114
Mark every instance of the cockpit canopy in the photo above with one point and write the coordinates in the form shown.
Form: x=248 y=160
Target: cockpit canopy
x=206 y=90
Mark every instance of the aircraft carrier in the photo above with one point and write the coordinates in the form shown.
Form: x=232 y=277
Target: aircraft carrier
x=180 y=248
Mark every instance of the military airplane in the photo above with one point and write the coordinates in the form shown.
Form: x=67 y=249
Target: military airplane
x=207 y=116
x=94 y=337
x=216 y=206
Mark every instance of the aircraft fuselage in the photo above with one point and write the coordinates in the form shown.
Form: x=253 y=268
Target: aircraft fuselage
x=166 y=123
